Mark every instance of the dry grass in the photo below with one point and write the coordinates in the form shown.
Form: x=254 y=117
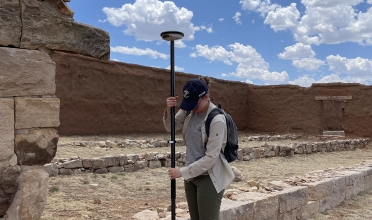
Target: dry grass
x=120 y=196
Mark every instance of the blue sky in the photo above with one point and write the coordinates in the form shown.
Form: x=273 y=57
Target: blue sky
x=261 y=42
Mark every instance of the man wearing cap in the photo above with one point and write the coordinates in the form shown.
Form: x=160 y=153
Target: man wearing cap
x=207 y=173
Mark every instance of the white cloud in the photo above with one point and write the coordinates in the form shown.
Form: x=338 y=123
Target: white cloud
x=322 y=22
x=176 y=68
x=329 y=3
x=237 y=18
x=115 y=60
x=283 y=18
x=221 y=19
x=248 y=81
x=261 y=6
x=203 y=27
x=250 y=63
x=139 y=52
x=304 y=81
x=357 y=67
x=369 y=2
x=310 y=64
x=307 y=81
x=213 y=53
x=297 y=51
x=145 y=19
x=179 y=44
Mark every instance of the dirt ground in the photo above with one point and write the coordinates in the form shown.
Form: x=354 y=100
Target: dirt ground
x=121 y=195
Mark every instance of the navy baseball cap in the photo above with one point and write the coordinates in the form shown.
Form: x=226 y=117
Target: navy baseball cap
x=193 y=90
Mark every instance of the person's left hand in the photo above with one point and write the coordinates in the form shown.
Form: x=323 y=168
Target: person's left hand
x=174 y=173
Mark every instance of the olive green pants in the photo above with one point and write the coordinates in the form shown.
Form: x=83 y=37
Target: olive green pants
x=203 y=200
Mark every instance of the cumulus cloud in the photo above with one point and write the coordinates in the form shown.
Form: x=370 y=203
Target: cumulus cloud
x=176 y=68
x=304 y=81
x=139 y=52
x=144 y=18
x=322 y=22
x=297 y=51
x=221 y=19
x=283 y=18
x=358 y=67
x=237 y=18
x=369 y=2
x=250 y=63
x=310 y=64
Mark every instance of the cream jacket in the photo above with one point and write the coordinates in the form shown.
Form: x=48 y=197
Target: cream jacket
x=214 y=161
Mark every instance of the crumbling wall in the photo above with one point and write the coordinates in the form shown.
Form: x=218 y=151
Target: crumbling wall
x=108 y=97
x=29 y=109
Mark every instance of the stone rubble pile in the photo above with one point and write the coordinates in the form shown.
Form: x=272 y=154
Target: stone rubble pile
x=134 y=162
x=298 y=197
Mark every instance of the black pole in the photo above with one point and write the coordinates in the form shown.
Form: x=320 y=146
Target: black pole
x=173 y=135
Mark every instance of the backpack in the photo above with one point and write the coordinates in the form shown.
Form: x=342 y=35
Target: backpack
x=231 y=148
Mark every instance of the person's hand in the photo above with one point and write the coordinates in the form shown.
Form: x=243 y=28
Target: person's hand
x=171 y=102
x=174 y=173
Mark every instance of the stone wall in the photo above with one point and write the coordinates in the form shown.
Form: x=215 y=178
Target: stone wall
x=29 y=110
x=151 y=160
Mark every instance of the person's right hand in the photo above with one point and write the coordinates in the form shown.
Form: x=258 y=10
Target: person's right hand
x=171 y=102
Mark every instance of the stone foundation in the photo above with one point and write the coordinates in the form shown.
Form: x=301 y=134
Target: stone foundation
x=134 y=162
x=30 y=31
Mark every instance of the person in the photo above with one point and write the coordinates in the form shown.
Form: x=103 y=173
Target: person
x=207 y=173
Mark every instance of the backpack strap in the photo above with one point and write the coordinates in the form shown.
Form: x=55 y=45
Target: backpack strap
x=211 y=115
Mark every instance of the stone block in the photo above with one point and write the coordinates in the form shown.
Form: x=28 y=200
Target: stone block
x=101 y=171
x=8 y=185
x=11 y=25
x=132 y=157
x=111 y=161
x=98 y=163
x=122 y=160
x=154 y=164
x=368 y=182
x=292 y=198
x=319 y=190
x=37 y=147
x=36 y=112
x=87 y=163
x=310 y=209
x=32 y=70
x=51 y=169
x=354 y=183
x=73 y=164
x=63 y=171
x=42 y=20
x=6 y=127
x=31 y=197
x=115 y=169
x=290 y=215
x=128 y=168
x=338 y=194
x=142 y=164
x=233 y=210
x=267 y=208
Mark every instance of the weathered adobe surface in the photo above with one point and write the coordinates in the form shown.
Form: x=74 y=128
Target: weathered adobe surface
x=107 y=97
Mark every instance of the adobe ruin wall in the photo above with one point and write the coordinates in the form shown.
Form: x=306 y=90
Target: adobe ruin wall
x=108 y=97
